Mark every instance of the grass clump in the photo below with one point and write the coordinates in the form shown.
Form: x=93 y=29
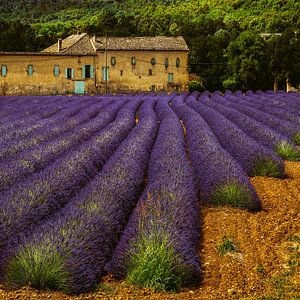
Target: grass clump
x=287 y=151
x=233 y=194
x=296 y=138
x=35 y=266
x=155 y=265
x=227 y=245
x=267 y=167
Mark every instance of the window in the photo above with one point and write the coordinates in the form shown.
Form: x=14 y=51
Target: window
x=170 y=77
x=56 y=70
x=88 y=71
x=3 y=70
x=69 y=73
x=121 y=73
x=177 y=62
x=30 y=70
x=150 y=72
x=133 y=61
x=105 y=74
x=153 y=61
x=166 y=63
x=113 y=60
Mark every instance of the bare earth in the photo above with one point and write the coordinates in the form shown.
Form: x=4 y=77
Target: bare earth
x=265 y=266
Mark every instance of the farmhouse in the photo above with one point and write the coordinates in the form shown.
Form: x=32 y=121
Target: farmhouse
x=83 y=63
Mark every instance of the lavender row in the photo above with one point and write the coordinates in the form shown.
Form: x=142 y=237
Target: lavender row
x=32 y=160
x=82 y=236
x=284 y=127
x=42 y=194
x=10 y=149
x=254 y=158
x=221 y=179
x=159 y=246
x=258 y=131
x=64 y=111
x=32 y=114
x=267 y=105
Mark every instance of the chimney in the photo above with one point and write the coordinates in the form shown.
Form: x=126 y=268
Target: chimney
x=59 y=45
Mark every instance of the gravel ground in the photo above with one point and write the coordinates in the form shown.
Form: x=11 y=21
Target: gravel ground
x=264 y=266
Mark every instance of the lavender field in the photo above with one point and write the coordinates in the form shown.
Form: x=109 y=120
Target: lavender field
x=91 y=185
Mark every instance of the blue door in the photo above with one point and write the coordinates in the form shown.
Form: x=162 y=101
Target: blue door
x=79 y=87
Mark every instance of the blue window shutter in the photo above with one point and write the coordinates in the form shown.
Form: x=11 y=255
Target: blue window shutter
x=56 y=71
x=83 y=71
x=103 y=73
x=30 y=69
x=66 y=73
x=3 y=70
x=107 y=74
x=73 y=73
x=92 y=71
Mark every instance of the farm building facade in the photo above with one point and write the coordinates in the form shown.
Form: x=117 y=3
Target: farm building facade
x=82 y=63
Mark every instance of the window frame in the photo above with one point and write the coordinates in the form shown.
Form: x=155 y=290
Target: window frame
x=166 y=63
x=30 y=70
x=56 y=70
x=4 y=67
x=170 y=77
x=133 y=61
x=153 y=61
x=69 y=73
x=105 y=74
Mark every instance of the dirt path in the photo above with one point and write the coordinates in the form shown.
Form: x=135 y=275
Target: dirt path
x=264 y=266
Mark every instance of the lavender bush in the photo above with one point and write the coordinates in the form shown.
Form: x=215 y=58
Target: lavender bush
x=221 y=179
x=37 y=197
x=159 y=246
x=253 y=157
x=72 y=248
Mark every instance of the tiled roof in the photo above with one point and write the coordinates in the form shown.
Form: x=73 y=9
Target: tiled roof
x=162 y=43
x=73 y=44
x=84 y=44
x=43 y=53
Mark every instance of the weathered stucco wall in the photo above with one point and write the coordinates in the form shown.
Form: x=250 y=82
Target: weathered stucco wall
x=43 y=81
x=123 y=76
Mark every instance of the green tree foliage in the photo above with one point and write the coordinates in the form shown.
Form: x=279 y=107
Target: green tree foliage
x=226 y=48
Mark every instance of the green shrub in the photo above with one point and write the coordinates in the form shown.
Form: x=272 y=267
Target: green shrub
x=37 y=267
x=231 y=84
x=195 y=85
x=227 y=245
x=155 y=265
x=267 y=167
x=232 y=194
x=287 y=151
x=296 y=138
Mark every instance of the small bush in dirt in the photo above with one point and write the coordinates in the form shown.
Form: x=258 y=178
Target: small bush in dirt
x=155 y=265
x=232 y=194
x=296 y=138
x=227 y=245
x=287 y=151
x=267 y=167
x=39 y=268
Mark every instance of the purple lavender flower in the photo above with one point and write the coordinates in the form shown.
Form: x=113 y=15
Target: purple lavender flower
x=253 y=157
x=159 y=247
x=79 y=240
x=221 y=179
